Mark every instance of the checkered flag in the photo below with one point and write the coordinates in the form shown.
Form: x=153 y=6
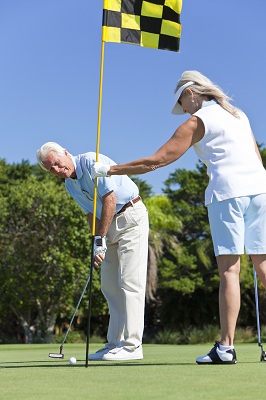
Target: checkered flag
x=154 y=23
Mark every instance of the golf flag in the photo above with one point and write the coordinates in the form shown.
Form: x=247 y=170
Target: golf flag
x=154 y=23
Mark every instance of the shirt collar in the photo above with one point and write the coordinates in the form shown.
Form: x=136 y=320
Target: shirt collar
x=208 y=103
x=78 y=169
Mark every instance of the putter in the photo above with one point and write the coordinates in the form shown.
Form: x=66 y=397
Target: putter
x=263 y=354
x=60 y=354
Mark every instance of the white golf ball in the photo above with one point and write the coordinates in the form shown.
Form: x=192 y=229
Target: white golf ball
x=72 y=360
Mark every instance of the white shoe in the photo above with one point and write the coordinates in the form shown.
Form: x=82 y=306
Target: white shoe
x=98 y=356
x=217 y=356
x=124 y=354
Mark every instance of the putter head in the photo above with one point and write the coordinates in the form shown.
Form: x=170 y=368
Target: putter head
x=56 y=355
x=263 y=356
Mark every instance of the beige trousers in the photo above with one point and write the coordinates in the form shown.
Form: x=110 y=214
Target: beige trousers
x=123 y=275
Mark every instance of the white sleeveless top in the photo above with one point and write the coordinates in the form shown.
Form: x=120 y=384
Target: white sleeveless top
x=228 y=151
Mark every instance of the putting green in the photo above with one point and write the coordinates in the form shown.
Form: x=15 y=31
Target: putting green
x=167 y=372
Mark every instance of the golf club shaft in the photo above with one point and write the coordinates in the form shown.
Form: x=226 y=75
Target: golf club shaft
x=257 y=305
x=84 y=289
x=89 y=308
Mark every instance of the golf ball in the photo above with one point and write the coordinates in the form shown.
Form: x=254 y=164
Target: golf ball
x=72 y=360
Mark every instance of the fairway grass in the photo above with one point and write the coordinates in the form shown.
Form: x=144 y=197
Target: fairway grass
x=166 y=372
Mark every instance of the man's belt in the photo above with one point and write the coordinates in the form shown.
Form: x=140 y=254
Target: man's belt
x=129 y=204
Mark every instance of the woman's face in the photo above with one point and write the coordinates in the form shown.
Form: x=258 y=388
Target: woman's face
x=188 y=102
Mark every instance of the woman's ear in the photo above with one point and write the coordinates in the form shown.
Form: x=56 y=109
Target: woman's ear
x=190 y=92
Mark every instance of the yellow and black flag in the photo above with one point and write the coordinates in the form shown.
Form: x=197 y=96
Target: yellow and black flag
x=154 y=23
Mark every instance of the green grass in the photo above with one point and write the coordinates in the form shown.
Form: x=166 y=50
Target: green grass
x=167 y=372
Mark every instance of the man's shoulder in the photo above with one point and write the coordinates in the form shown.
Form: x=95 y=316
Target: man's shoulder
x=90 y=155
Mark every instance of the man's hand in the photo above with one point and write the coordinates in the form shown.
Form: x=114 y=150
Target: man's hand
x=99 y=170
x=99 y=249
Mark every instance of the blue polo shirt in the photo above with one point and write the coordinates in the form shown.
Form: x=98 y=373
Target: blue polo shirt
x=82 y=188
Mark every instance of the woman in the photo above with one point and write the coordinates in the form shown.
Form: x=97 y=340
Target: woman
x=235 y=196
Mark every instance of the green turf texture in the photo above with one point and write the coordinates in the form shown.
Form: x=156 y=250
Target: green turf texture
x=166 y=372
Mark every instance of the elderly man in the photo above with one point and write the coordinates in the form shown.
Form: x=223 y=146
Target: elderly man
x=121 y=244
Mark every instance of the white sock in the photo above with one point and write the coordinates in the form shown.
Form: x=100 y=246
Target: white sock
x=224 y=348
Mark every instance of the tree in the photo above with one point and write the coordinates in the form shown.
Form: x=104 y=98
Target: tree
x=189 y=271
x=45 y=258
x=145 y=190
x=162 y=225
x=263 y=155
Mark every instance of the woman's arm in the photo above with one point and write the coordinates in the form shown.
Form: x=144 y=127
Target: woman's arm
x=187 y=134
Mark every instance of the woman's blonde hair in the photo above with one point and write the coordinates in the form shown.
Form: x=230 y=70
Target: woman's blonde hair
x=204 y=86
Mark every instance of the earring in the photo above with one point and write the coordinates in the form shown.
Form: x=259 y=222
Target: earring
x=192 y=101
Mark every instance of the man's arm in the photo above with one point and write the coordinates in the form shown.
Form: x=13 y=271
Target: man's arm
x=108 y=211
x=102 y=225
x=107 y=215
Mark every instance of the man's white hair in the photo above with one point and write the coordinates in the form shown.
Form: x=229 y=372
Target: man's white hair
x=46 y=149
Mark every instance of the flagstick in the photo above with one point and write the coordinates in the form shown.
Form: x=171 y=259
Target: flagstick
x=94 y=203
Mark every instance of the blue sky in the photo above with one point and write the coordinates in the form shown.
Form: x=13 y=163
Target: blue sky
x=50 y=68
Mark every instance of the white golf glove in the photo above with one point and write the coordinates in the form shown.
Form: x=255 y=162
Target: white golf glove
x=99 y=245
x=99 y=170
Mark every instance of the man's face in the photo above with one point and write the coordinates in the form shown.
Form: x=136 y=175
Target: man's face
x=60 y=165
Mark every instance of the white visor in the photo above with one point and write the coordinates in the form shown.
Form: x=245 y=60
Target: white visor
x=177 y=108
